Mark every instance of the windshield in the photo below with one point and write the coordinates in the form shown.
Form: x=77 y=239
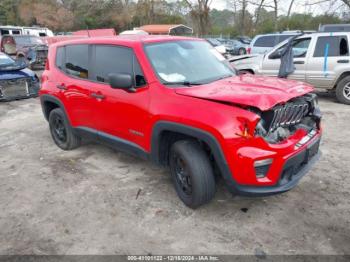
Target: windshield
x=5 y=60
x=192 y=62
x=29 y=40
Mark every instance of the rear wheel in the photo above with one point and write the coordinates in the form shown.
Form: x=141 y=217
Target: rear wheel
x=192 y=173
x=242 y=51
x=61 y=132
x=342 y=91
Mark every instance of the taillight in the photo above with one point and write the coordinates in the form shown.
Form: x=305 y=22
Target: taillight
x=47 y=66
x=249 y=50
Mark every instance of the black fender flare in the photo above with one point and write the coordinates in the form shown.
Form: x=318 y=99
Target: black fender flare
x=52 y=99
x=202 y=135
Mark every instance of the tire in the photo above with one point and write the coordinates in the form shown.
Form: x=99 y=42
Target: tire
x=61 y=131
x=192 y=173
x=242 y=51
x=342 y=91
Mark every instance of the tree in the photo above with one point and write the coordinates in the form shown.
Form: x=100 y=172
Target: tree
x=49 y=14
x=199 y=11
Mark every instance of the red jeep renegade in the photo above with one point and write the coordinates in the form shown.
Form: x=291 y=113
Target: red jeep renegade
x=176 y=101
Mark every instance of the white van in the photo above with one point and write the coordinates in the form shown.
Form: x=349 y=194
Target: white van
x=10 y=30
x=19 y=30
x=37 y=31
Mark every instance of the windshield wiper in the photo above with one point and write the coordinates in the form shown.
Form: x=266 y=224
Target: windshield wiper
x=183 y=83
x=222 y=77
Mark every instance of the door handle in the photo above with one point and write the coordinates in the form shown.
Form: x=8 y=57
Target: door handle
x=97 y=96
x=61 y=86
x=343 y=61
x=299 y=62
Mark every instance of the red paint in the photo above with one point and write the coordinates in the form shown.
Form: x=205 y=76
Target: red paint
x=121 y=111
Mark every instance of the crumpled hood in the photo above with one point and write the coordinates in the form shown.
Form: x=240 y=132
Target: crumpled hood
x=17 y=65
x=249 y=90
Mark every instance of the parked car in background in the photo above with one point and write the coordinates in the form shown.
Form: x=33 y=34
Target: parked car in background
x=234 y=47
x=335 y=28
x=10 y=30
x=19 y=30
x=31 y=48
x=264 y=43
x=37 y=31
x=134 y=32
x=320 y=59
x=16 y=81
x=217 y=45
x=244 y=39
x=178 y=102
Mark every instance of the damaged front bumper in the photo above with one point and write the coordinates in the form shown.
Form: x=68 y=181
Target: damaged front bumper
x=21 y=88
x=290 y=172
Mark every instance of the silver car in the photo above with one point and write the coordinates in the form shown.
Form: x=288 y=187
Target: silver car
x=320 y=59
x=264 y=43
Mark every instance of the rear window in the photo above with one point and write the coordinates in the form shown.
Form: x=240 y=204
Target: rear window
x=266 y=41
x=77 y=61
x=60 y=58
x=331 y=46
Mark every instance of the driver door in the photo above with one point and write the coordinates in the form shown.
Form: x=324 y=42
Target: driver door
x=272 y=61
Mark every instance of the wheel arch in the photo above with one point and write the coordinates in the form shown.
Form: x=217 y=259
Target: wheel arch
x=247 y=70
x=161 y=142
x=342 y=75
x=20 y=55
x=48 y=103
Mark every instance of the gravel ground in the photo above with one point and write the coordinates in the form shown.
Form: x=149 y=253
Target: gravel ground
x=95 y=200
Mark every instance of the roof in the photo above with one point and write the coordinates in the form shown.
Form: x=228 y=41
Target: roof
x=95 y=32
x=163 y=29
x=125 y=40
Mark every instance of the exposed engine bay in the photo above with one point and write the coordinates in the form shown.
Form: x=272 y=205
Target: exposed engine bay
x=282 y=121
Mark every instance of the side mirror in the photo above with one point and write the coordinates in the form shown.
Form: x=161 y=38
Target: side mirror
x=275 y=55
x=121 y=81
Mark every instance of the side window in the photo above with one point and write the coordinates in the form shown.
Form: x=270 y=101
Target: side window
x=300 y=47
x=114 y=59
x=265 y=41
x=77 y=60
x=336 y=46
x=139 y=77
x=60 y=58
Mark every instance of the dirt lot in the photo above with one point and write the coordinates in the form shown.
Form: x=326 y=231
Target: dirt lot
x=85 y=201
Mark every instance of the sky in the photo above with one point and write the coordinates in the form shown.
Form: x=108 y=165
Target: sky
x=300 y=6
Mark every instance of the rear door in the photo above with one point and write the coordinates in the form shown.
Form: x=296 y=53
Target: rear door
x=72 y=82
x=301 y=50
x=331 y=53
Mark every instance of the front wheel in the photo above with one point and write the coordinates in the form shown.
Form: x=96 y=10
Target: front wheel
x=342 y=91
x=61 y=131
x=192 y=173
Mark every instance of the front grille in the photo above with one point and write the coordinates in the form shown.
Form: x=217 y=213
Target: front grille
x=14 y=88
x=288 y=114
